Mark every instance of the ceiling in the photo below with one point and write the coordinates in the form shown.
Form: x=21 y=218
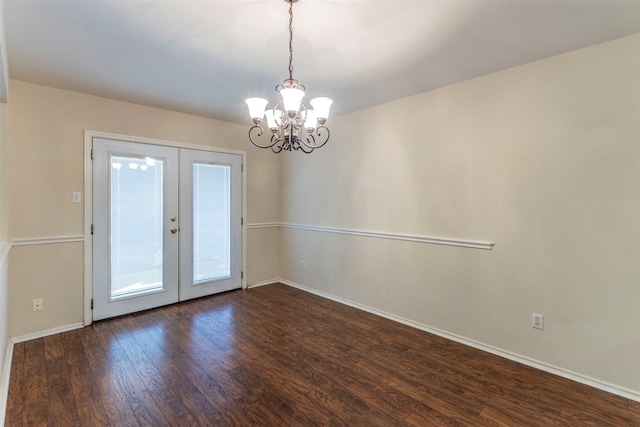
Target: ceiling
x=206 y=57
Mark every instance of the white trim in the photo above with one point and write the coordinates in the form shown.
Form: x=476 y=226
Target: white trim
x=4 y=381
x=88 y=219
x=257 y=225
x=90 y=134
x=28 y=241
x=243 y=209
x=592 y=382
x=395 y=236
x=474 y=244
x=264 y=283
x=47 y=332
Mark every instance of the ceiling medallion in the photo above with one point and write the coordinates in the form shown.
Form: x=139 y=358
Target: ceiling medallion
x=293 y=126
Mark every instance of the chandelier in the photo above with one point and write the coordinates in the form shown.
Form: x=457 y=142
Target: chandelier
x=293 y=126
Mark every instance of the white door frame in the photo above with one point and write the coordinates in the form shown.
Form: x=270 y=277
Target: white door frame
x=88 y=203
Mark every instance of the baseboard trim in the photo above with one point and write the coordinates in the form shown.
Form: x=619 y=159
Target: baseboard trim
x=47 y=332
x=4 y=381
x=600 y=385
x=264 y=283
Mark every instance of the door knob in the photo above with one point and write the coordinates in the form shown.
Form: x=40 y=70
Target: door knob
x=174 y=230
x=173 y=219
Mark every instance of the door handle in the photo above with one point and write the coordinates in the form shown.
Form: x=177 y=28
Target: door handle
x=174 y=230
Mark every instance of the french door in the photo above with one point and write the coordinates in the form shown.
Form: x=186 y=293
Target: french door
x=166 y=225
x=211 y=232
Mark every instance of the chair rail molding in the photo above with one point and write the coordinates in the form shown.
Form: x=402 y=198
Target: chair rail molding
x=258 y=225
x=28 y=241
x=474 y=244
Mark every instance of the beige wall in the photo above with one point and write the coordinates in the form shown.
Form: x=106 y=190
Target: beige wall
x=47 y=164
x=542 y=159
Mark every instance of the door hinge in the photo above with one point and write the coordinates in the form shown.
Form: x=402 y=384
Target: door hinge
x=91 y=303
x=242 y=275
x=92 y=154
x=92 y=229
x=242 y=167
x=241 y=221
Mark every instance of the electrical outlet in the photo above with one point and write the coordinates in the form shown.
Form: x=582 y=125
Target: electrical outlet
x=304 y=264
x=537 y=321
x=38 y=304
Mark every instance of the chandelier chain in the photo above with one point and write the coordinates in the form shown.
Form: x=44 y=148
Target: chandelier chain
x=290 y=39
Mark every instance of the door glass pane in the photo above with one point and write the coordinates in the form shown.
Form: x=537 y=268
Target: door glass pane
x=211 y=222
x=136 y=226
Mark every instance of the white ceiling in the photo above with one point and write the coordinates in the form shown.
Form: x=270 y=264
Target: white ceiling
x=206 y=57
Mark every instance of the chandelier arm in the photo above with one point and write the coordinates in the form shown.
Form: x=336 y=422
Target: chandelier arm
x=274 y=140
x=319 y=132
x=257 y=130
x=291 y=142
x=309 y=148
x=277 y=148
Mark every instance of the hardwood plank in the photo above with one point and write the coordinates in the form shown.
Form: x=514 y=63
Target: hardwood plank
x=180 y=397
x=62 y=403
x=272 y=367
x=83 y=386
x=211 y=380
x=36 y=412
x=359 y=392
x=16 y=393
x=278 y=356
x=430 y=417
x=116 y=402
x=351 y=386
x=113 y=398
x=444 y=379
x=152 y=375
x=127 y=378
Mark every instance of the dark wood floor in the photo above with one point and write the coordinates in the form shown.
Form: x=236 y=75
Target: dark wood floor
x=278 y=356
